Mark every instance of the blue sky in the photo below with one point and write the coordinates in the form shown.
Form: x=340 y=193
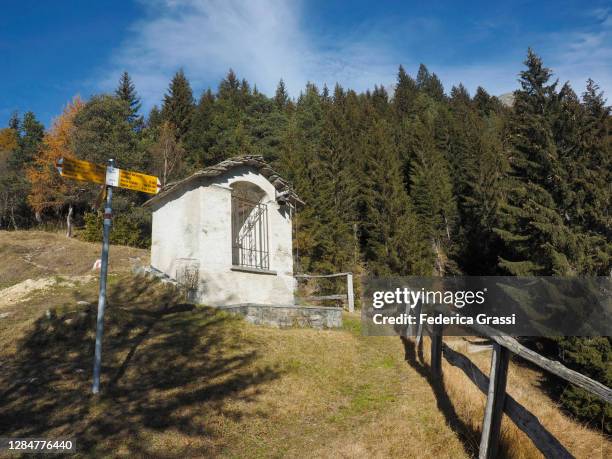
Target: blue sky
x=53 y=50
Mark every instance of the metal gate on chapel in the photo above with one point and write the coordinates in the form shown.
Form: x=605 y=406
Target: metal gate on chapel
x=250 y=233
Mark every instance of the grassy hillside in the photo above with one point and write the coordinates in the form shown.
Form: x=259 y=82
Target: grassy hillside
x=183 y=380
x=35 y=254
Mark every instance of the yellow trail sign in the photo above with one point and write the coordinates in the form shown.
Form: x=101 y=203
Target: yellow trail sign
x=111 y=176
x=81 y=170
x=132 y=180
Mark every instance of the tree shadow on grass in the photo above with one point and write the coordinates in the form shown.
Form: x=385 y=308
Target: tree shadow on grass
x=413 y=354
x=165 y=365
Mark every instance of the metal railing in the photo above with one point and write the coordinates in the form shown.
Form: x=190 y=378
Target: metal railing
x=250 y=240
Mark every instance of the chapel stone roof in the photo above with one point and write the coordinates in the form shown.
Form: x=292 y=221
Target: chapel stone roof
x=284 y=191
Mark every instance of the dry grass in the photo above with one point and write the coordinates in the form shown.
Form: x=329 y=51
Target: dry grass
x=180 y=381
x=525 y=386
x=35 y=254
x=184 y=381
x=189 y=381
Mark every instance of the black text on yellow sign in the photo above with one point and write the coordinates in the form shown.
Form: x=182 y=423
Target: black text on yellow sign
x=111 y=176
x=138 y=182
x=81 y=170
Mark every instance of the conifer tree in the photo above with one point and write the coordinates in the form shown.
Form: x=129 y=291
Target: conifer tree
x=199 y=137
x=229 y=125
x=155 y=118
x=266 y=124
x=229 y=87
x=422 y=77
x=10 y=185
x=27 y=133
x=101 y=129
x=14 y=122
x=380 y=100
x=178 y=106
x=391 y=238
x=432 y=195
x=298 y=162
x=281 y=98
x=597 y=157
x=405 y=93
x=536 y=239
x=460 y=96
x=430 y=84
x=483 y=101
x=126 y=91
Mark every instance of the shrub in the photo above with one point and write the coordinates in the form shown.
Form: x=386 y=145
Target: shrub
x=130 y=227
x=593 y=358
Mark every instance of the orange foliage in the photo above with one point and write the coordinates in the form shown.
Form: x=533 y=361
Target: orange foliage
x=8 y=139
x=49 y=190
x=8 y=144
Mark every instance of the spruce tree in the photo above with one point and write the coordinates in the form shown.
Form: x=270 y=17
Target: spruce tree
x=198 y=139
x=26 y=135
x=281 y=98
x=431 y=191
x=405 y=92
x=391 y=237
x=298 y=162
x=230 y=126
x=331 y=227
x=14 y=122
x=155 y=118
x=126 y=91
x=102 y=130
x=483 y=101
x=265 y=124
x=229 y=88
x=178 y=106
x=32 y=132
x=422 y=77
x=535 y=237
x=380 y=100
x=460 y=96
x=430 y=84
x=597 y=157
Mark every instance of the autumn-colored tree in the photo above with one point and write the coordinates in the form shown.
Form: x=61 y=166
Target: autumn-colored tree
x=9 y=142
x=49 y=190
x=166 y=153
x=8 y=139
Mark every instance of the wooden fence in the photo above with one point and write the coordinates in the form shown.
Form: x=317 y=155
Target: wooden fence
x=349 y=296
x=494 y=387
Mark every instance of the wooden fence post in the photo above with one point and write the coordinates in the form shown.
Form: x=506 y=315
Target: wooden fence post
x=436 y=351
x=496 y=397
x=419 y=333
x=349 y=292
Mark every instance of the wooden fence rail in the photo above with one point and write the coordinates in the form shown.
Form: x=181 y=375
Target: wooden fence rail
x=494 y=386
x=349 y=296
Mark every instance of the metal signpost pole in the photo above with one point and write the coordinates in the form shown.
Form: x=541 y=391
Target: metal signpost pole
x=102 y=294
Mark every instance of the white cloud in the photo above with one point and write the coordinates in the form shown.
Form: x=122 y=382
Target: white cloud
x=264 y=40
x=585 y=53
x=261 y=40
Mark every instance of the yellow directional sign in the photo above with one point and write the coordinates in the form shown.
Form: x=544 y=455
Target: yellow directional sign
x=89 y=172
x=111 y=177
x=138 y=182
x=81 y=170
